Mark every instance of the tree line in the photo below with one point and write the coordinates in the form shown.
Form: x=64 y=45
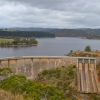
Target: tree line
x=26 y=34
x=20 y=41
x=24 y=40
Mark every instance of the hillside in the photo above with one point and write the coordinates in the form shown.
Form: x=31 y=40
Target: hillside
x=76 y=33
x=65 y=79
x=79 y=32
x=6 y=95
x=53 y=84
x=13 y=33
x=71 y=33
x=29 y=89
x=94 y=31
x=84 y=54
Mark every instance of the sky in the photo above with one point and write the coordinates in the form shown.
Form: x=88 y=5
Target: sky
x=50 y=13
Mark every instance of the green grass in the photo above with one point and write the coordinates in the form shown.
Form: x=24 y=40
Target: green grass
x=5 y=40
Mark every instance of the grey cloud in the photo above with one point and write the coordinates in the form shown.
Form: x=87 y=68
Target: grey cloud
x=50 y=13
x=65 y=5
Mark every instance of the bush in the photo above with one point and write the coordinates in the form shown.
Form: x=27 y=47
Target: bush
x=18 y=84
x=45 y=72
x=5 y=73
x=74 y=66
x=88 y=48
x=71 y=72
x=71 y=51
x=63 y=66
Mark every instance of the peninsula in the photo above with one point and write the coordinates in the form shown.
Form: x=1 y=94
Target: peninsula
x=86 y=53
x=10 y=42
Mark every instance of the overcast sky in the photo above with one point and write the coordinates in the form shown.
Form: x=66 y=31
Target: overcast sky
x=50 y=13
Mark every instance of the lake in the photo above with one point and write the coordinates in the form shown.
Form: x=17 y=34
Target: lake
x=50 y=47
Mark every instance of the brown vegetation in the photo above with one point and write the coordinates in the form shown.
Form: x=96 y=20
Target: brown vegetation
x=84 y=54
x=6 y=95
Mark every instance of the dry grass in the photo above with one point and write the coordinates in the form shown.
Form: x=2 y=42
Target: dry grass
x=6 y=95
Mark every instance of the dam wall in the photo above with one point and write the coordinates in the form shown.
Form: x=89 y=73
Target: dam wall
x=98 y=60
x=31 y=66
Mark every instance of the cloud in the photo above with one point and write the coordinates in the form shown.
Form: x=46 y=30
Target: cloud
x=50 y=13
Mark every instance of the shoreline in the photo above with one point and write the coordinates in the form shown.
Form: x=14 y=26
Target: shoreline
x=78 y=37
x=18 y=45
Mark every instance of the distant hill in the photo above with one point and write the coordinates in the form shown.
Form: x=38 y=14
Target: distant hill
x=70 y=33
x=30 y=29
x=79 y=32
x=88 y=33
x=94 y=31
x=6 y=33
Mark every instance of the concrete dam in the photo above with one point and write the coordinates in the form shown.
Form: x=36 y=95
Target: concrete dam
x=31 y=66
x=87 y=78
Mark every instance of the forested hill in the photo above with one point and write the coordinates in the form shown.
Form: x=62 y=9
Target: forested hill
x=90 y=34
x=80 y=32
x=95 y=31
x=52 y=32
x=26 y=34
x=70 y=33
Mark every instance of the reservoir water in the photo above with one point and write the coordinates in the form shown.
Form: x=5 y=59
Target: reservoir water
x=50 y=47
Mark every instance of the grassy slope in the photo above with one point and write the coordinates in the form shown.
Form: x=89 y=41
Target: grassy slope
x=5 y=40
x=18 y=84
x=65 y=79
x=6 y=95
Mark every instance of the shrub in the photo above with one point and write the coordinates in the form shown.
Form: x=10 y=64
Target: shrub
x=19 y=84
x=71 y=72
x=88 y=48
x=45 y=72
x=74 y=66
x=63 y=66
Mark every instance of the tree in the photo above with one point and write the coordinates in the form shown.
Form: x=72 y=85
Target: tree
x=2 y=44
x=71 y=51
x=5 y=73
x=18 y=84
x=87 y=48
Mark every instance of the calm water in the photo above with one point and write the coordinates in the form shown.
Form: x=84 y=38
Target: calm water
x=51 y=47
